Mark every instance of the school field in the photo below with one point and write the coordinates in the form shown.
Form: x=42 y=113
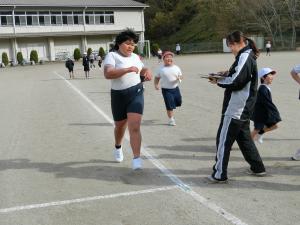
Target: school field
x=56 y=164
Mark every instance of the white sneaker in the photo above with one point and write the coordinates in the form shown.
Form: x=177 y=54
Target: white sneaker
x=260 y=139
x=137 y=163
x=118 y=154
x=172 y=122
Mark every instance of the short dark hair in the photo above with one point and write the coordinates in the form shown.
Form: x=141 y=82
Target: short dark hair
x=262 y=79
x=125 y=35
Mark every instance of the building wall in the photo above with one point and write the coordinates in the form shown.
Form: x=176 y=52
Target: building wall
x=58 y=41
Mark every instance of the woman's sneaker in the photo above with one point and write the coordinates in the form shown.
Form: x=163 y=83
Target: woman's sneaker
x=137 y=163
x=258 y=174
x=118 y=154
x=212 y=180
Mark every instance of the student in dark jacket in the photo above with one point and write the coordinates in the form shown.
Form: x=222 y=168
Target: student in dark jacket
x=266 y=115
x=240 y=86
x=86 y=65
x=70 y=66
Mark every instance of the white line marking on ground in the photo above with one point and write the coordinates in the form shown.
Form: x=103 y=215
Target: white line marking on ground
x=220 y=211
x=87 y=199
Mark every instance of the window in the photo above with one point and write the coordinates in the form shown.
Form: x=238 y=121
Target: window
x=6 y=18
x=32 y=18
x=89 y=17
x=99 y=17
x=56 y=18
x=67 y=17
x=44 y=18
x=109 y=17
x=78 y=17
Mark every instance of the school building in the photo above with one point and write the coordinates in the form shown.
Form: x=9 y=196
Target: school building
x=54 y=28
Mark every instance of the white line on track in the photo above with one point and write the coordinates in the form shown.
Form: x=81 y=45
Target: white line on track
x=87 y=199
x=184 y=187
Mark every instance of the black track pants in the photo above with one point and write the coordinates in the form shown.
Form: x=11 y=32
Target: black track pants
x=231 y=130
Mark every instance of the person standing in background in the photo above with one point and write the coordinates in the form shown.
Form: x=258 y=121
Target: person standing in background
x=268 y=48
x=178 y=49
x=86 y=65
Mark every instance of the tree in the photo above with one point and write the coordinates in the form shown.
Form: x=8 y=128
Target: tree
x=5 y=58
x=20 y=57
x=76 y=54
x=89 y=51
x=101 y=52
x=34 y=56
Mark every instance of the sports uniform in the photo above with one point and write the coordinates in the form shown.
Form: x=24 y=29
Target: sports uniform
x=238 y=104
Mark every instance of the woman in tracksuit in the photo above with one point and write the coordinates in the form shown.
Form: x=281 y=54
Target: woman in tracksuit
x=239 y=99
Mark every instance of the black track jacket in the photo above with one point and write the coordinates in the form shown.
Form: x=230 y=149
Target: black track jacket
x=240 y=86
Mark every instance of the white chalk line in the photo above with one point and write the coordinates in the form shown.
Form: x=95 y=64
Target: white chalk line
x=86 y=199
x=186 y=188
x=179 y=183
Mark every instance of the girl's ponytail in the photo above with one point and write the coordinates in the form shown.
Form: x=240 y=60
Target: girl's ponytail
x=252 y=45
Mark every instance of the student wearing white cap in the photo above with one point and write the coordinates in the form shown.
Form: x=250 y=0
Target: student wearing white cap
x=266 y=115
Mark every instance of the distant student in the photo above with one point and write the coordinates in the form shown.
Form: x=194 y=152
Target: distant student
x=92 y=59
x=178 y=49
x=99 y=61
x=159 y=54
x=169 y=76
x=86 y=65
x=70 y=66
x=266 y=115
x=268 y=48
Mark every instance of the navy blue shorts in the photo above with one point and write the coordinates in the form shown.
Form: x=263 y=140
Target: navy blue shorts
x=172 y=98
x=130 y=100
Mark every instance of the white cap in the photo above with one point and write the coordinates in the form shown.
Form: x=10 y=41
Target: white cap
x=265 y=71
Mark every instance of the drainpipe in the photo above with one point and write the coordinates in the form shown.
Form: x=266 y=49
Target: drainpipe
x=14 y=41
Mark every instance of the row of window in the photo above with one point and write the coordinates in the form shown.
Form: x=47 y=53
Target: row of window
x=45 y=18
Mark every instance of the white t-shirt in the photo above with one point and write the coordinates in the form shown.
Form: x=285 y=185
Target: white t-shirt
x=118 y=61
x=177 y=47
x=268 y=45
x=168 y=76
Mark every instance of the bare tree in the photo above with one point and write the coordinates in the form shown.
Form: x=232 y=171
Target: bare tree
x=293 y=12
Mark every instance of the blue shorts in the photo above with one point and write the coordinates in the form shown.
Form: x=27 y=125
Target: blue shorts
x=130 y=100
x=172 y=98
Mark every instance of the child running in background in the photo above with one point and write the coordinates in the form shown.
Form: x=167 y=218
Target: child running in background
x=169 y=76
x=266 y=115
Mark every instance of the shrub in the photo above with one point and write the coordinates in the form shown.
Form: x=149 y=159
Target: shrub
x=89 y=51
x=136 y=50
x=101 y=52
x=5 y=58
x=20 y=57
x=76 y=54
x=154 y=48
x=34 y=56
